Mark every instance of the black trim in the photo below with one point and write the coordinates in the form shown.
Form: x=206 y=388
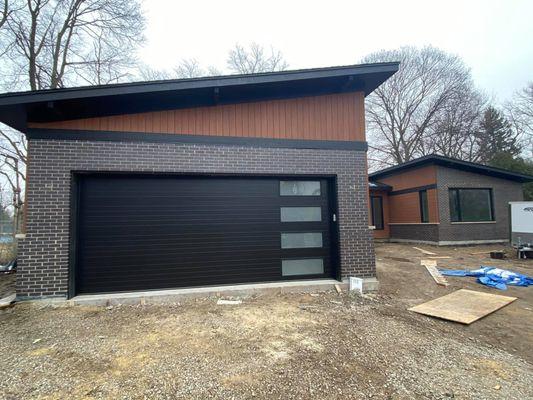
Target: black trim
x=375 y=185
x=335 y=247
x=424 y=206
x=435 y=159
x=108 y=136
x=73 y=234
x=412 y=190
x=382 y=226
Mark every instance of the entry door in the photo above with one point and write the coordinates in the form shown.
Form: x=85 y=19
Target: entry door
x=154 y=232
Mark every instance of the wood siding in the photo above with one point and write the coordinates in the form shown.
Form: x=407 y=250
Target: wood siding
x=330 y=117
x=412 y=178
x=405 y=208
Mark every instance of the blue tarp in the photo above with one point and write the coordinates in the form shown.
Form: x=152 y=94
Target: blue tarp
x=493 y=277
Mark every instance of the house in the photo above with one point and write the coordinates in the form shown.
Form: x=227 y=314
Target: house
x=193 y=182
x=444 y=201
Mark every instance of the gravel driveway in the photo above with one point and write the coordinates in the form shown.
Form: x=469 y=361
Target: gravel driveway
x=270 y=347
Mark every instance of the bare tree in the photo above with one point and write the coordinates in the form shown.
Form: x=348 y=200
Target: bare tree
x=5 y=11
x=55 y=41
x=13 y=160
x=108 y=64
x=255 y=59
x=191 y=68
x=454 y=133
x=519 y=111
x=418 y=101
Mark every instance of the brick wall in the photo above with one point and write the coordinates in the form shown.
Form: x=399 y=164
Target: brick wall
x=503 y=191
x=43 y=255
x=415 y=232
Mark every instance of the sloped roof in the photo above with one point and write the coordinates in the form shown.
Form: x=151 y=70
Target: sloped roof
x=85 y=102
x=435 y=159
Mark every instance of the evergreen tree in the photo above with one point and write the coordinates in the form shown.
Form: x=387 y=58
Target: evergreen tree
x=496 y=137
x=516 y=164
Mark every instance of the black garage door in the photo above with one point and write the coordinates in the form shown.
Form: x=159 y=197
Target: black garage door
x=146 y=232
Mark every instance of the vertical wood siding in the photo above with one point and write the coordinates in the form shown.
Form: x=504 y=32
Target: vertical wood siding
x=412 y=178
x=405 y=208
x=329 y=117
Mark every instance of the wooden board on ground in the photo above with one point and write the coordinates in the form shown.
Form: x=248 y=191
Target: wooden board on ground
x=429 y=253
x=431 y=266
x=463 y=306
x=438 y=257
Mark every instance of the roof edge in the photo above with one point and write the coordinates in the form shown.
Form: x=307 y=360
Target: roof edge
x=452 y=163
x=196 y=83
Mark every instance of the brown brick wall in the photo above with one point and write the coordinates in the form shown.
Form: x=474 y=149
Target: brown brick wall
x=327 y=117
x=503 y=192
x=43 y=255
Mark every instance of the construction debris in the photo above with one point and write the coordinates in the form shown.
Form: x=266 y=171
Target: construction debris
x=439 y=257
x=338 y=289
x=463 y=306
x=431 y=266
x=429 y=253
x=493 y=277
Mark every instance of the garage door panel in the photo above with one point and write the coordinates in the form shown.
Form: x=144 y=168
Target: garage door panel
x=151 y=232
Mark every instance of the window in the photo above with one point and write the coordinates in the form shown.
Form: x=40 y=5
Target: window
x=377 y=211
x=301 y=214
x=471 y=205
x=299 y=188
x=304 y=266
x=301 y=240
x=424 y=210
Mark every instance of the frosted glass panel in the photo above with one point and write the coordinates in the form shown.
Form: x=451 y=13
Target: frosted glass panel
x=307 y=266
x=301 y=240
x=299 y=188
x=300 y=214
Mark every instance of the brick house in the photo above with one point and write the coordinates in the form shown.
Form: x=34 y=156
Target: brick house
x=193 y=182
x=440 y=200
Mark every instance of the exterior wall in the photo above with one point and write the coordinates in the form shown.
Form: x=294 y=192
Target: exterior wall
x=44 y=254
x=412 y=178
x=381 y=233
x=327 y=117
x=503 y=192
x=404 y=208
x=415 y=232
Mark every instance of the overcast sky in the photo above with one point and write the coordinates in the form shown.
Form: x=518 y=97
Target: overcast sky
x=494 y=37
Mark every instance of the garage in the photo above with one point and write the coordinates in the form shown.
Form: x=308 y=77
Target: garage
x=142 y=232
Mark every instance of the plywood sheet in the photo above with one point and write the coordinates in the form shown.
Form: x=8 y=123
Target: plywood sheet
x=463 y=306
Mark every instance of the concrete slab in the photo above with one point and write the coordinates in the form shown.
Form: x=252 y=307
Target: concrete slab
x=175 y=295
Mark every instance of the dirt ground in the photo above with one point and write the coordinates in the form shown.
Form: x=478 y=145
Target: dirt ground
x=7 y=285
x=289 y=346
